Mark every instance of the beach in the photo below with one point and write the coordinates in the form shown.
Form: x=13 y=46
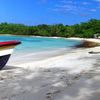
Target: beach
x=74 y=75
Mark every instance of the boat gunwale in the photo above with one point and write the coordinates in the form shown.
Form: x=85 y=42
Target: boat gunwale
x=9 y=43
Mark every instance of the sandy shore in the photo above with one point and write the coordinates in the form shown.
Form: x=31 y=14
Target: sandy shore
x=72 y=76
x=87 y=39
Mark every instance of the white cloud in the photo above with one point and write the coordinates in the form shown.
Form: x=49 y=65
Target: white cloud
x=65 y=6
x=74 y=7
x=97 y=0
x=43 y=1
x=85 y=3
x=66 y=1
x=93 y=10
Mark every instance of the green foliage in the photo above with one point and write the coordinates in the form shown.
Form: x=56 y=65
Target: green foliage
x=86 y=29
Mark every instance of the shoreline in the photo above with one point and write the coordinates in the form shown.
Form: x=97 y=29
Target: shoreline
x=37 y=56
x=74 y=38
x=86 y=39
x=64 y=59
x=60 y=52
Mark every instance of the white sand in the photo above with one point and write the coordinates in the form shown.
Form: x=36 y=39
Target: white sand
x=88 y=39
x=64 y=77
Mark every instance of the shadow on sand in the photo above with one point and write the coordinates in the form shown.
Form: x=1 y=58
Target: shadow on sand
x=49 y=84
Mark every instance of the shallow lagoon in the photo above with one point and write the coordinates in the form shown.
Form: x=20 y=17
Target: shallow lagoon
x=35 y=44
x=38 y=48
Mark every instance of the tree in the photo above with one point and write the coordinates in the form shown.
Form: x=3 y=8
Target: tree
x=86 y=29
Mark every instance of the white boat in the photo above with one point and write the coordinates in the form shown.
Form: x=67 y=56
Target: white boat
x=6 y=49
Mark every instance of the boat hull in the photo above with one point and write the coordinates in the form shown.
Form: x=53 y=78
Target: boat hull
x=6 y=49
x=3 y=60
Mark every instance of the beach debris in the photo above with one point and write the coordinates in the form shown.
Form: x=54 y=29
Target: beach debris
x=88 y=44
x=92 y=52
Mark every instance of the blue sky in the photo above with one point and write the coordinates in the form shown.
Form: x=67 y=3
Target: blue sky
x=34 y=12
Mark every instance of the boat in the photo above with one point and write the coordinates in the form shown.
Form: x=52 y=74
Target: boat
x=6 y=49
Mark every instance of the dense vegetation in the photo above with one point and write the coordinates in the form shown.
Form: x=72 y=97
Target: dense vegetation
x=86 y=29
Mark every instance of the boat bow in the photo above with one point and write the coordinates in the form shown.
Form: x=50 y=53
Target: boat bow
x=6 y=49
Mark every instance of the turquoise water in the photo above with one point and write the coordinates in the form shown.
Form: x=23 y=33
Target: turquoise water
x=36 y=44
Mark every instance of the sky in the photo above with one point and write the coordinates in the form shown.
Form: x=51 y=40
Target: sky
x=34 y=12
